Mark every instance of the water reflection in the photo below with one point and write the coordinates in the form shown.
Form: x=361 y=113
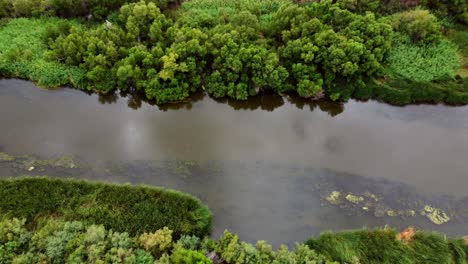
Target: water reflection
x=266 y=100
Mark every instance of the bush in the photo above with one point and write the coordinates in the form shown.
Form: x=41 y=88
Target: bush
x=133 y=209
x=186 y=256
x=457 y=9
x=157 y=243
x=419 y=24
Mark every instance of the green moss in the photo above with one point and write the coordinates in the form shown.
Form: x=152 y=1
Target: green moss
x=134 y=209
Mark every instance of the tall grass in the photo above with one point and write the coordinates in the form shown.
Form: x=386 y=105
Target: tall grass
x=123 y=208
x=382 y=247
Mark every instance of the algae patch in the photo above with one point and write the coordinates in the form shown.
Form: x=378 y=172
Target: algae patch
x=354 y=199
x=436 y=215
x=334 y=197
x=64 y=162
x=6 y=157
x=392 y=213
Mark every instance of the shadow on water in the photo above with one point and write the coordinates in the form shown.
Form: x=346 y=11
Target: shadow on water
x=266 y=100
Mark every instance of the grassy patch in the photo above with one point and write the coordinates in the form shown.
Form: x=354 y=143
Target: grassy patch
x=133 y=209
x=22 y=48
x=403 y=92
x=258 y=7
x=381 y=246
x=424 y=62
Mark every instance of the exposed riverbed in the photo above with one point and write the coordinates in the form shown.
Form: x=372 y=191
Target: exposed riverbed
x=268 y=168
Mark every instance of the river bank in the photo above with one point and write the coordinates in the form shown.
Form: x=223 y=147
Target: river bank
x=47 y=233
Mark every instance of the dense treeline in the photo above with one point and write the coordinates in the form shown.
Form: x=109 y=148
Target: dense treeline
x=123 y=208
x=309 y=50
x=238 y=48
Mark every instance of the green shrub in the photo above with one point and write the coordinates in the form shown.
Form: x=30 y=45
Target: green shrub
x=189 y=242
x=14 y=238
x=419 y=24
x=457 y=9
x=5 y=8
x=186 y=256
x=158 y=243
x=119 y=207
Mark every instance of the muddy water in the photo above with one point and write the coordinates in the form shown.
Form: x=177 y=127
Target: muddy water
x=265 y=167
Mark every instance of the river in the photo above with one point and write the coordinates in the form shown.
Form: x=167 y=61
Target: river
x=266 y=167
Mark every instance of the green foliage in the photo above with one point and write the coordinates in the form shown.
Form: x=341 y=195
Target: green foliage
x=241 y=68
x=322 y=44
x=13 y=239
x=259 y=7
x=99 y=9
x=419 y=24
x=186 y=256
x=381 y=246
x=424 y=63
x=457 y=9
x=360 y=6
x=158 y=243
x=189 y=242
x=74 y=242
x=118 y=207
x=22 y=48
x=53 y=240
x=430 y=248
x=234 y=251
x=236 y=48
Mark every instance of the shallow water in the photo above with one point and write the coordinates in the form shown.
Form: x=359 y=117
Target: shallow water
x=263 y=166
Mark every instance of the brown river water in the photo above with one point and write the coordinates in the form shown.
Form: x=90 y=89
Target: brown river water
x=265 y=166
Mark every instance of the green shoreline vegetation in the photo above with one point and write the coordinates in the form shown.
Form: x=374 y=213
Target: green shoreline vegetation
x=45 y=220
x=389 y=50
x=117 y=207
